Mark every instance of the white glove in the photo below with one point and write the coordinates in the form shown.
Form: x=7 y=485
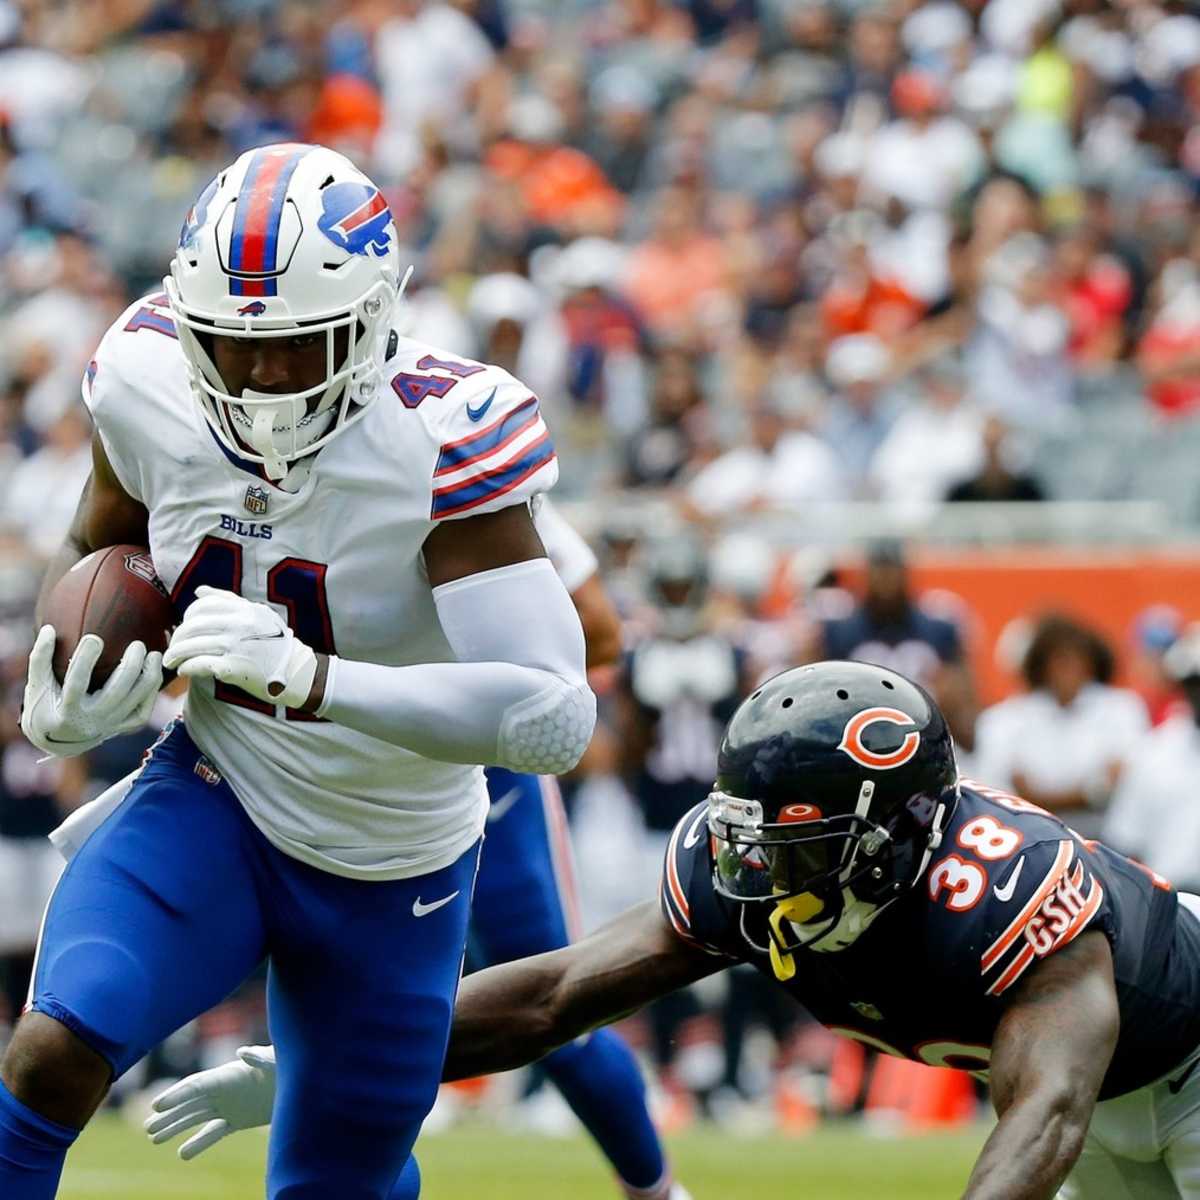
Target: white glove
x=69 y=720
x=227 y=637
x=233 y=1096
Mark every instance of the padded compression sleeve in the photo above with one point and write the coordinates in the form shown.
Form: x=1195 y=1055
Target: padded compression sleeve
x=517 y=697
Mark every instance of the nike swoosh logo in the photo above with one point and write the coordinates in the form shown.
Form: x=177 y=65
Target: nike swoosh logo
x=501 y=806
x=265 y=637
x=477 y=414
x=693 y=835
x=1005 y=893
x=423 y=910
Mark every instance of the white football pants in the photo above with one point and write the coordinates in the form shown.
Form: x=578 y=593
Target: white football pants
x=1145 y=1145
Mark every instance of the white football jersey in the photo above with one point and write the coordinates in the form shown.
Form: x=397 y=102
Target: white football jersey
x=340 y=557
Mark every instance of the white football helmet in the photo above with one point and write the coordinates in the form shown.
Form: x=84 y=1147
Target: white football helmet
x=291 y=239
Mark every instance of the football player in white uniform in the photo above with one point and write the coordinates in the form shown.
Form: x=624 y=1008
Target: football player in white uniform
x=341 y=516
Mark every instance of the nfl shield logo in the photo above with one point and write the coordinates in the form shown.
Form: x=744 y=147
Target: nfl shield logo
x=257 y=499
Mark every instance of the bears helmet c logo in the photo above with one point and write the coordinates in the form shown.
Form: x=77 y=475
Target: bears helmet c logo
x=852 y=739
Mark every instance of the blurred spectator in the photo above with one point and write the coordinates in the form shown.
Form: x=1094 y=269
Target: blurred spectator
x=677 y=268
x=1064 y=743
x=1094 y=291
x=864 y=294
x=430 y=58
x=775 y=468
x=43 y=492
x=619 y=138
x=999 y=477
x=925 y=158
x=1155 y=816
x=1019 y=352
x=598 y=338
x=347 y=116
x=890 y=627
x=937 y=440
x=561 y=186
x=679 y=430
x=1155 y=631
x=862 y=410
x=1169 y=352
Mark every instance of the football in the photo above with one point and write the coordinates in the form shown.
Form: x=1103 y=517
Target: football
x=115 y=594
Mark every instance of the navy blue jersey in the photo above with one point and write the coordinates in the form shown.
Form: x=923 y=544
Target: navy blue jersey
x=913 y=644
x=929 y=980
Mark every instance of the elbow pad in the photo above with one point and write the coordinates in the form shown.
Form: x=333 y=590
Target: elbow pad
x=548 y=733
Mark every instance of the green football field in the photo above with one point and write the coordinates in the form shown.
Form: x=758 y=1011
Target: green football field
x=112 y=1159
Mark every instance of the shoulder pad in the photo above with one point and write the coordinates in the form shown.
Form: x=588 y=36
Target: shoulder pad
x=120 y=352
x=494 y=451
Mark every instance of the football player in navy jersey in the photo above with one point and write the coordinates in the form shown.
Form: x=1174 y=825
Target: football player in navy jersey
x=840 y=854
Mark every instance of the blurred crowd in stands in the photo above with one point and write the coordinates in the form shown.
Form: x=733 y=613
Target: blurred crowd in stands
x=752 y=255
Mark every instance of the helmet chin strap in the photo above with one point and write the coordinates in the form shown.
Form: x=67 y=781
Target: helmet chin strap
x=262 y=429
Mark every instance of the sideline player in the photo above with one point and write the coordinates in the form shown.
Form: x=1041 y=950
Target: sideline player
x=268 y=432
x=937 y=920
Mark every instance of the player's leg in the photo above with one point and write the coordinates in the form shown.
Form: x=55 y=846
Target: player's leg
x=408 y=1186
x=154 y=920
x=1122 y=1154
x=360 y=999
x=1101 y=1175
x=525 y=903
x=1177 y=1122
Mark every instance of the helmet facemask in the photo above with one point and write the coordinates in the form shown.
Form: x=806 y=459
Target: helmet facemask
x=827 y=879
x=275 y=429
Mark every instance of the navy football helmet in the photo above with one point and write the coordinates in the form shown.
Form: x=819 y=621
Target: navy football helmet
x=835 y=781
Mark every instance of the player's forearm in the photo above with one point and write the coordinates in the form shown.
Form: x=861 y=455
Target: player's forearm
x=1032 y=1149
x=494 y=713
x=518 y=1012
x=517 y=697
x=504 y=1017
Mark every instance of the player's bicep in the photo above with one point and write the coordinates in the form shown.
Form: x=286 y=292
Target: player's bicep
x=1058 y=1033
x=456 y=549
x=106 y=514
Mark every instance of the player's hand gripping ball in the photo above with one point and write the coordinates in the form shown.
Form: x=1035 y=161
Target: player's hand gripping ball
x=100 y=673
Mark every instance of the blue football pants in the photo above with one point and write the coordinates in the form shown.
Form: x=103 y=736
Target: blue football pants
x=176 y=899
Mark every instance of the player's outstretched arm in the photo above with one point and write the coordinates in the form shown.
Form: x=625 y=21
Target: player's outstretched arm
x=1049 y=1056
x=520 y=1011
x=504 y=1017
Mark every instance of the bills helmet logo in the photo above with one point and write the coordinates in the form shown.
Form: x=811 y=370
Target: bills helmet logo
x=196 y=217
x=255 y=308
x=356 y=218
x=852 y=739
